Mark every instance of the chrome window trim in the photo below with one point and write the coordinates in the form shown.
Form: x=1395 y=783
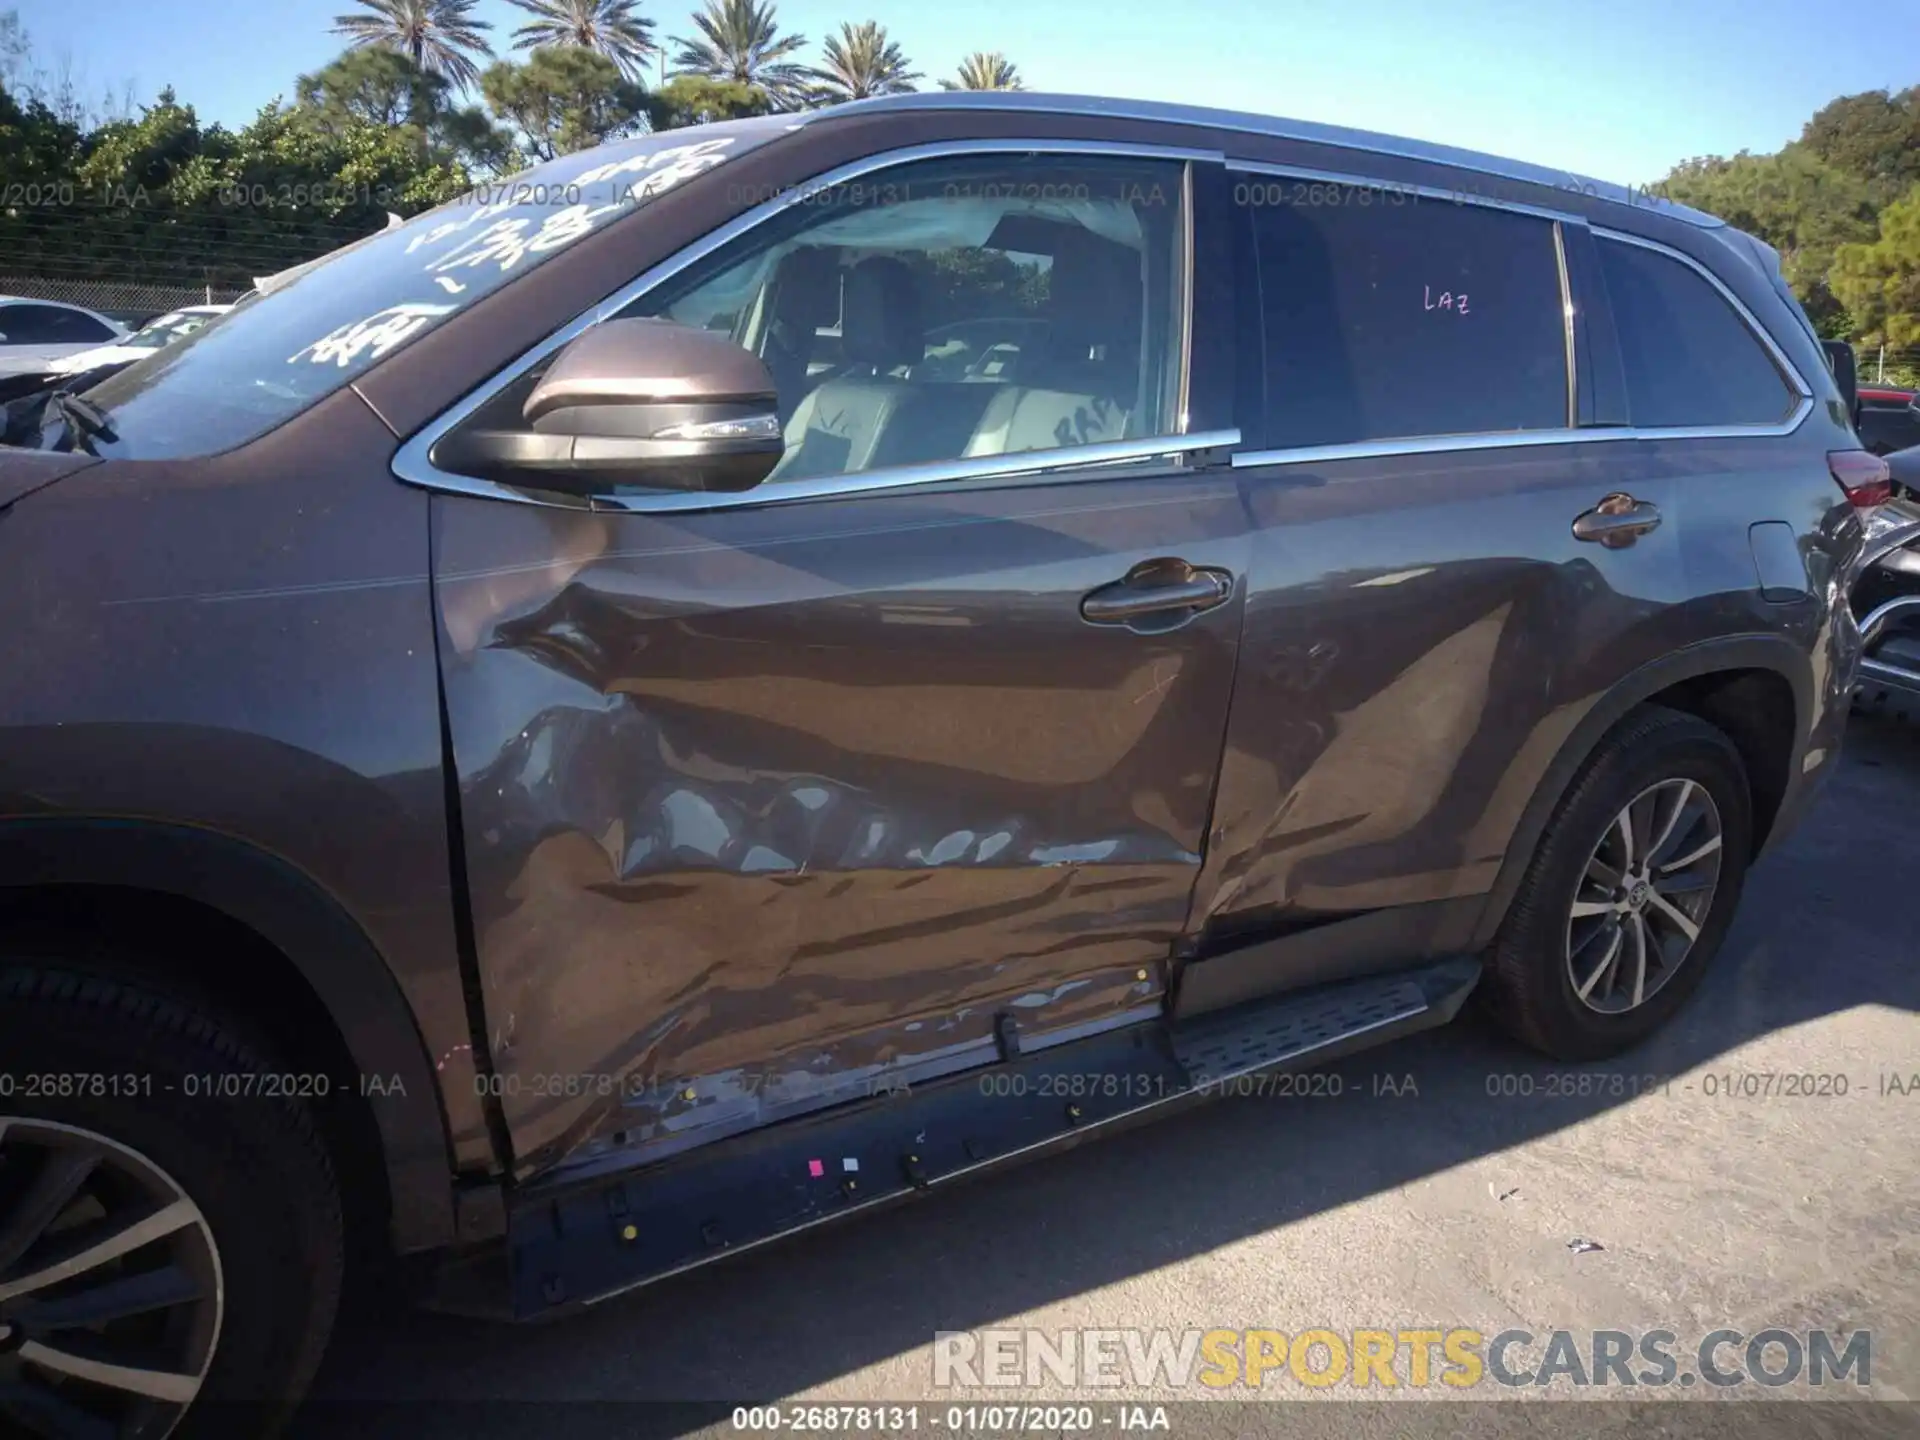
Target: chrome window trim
x=1788 y=370
x=1513 y=440
x=1566 y=322
x=411 y=463
x=1573 y=434
x=1278 y=127
x=1435 y=444
x=1061 y=462
x=1182 y=404
x=1397 y=187
x=1423 y=445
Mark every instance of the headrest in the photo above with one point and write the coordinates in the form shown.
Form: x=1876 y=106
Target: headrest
x=880 y=320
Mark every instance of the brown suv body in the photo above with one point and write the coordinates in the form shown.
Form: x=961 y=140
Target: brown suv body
x=612 y=831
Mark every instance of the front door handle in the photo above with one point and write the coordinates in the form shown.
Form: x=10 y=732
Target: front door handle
x=1617 y=521
x=1157 y=595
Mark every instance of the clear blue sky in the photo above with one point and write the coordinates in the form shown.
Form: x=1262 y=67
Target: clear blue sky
x=1619 y=89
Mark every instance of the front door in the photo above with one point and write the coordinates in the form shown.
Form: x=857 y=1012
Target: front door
x=772 y=800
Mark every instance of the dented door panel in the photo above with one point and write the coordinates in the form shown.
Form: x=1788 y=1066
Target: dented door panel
x=1423 y=632
x=769 y=807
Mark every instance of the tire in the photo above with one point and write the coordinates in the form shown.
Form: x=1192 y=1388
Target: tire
x=253 y=1220
x=1544 y=951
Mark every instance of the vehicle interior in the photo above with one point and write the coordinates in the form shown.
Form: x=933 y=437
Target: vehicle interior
x=952 y=328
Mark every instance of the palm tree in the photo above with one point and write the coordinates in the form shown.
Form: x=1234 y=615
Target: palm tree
x=739 y=41
x=862 y=61
x=440 y=36
x=985 y=70
x=611 y=27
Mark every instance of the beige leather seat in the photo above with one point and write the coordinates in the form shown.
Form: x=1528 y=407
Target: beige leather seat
x=1085 y=387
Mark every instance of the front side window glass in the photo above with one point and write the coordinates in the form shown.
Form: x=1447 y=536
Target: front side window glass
x=956 y=308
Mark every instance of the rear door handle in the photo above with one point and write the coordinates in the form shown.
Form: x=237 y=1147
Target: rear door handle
x=1157 y=595
x=1617 y=521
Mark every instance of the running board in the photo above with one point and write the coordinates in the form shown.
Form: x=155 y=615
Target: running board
x=576 y=1245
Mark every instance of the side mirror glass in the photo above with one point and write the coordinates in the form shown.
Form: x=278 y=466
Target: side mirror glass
x=634 y=403
x=1840 y=361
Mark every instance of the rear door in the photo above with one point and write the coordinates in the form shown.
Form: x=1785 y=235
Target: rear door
x=772 y=800
x=1420 y=608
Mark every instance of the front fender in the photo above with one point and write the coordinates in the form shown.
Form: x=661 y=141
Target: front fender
x=295 y=915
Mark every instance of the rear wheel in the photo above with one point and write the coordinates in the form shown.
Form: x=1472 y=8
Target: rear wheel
x=1630 y=893
x=170 y=1236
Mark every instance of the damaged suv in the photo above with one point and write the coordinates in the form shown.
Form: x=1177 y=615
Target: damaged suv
x=907 y=633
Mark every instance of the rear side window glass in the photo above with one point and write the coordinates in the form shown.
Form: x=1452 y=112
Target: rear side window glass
x=1690 y=358
x=29 y=324
x=1389 y=315
x=70 y=327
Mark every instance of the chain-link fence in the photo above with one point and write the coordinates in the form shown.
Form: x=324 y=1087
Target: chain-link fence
x=129 y=302
x=1897 y=366
x=132 y=258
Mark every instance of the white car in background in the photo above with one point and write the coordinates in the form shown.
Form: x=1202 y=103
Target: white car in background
x=154 y=335
x=35 y=333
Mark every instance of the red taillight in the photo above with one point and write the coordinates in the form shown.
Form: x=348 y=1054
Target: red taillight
x=1863 y=475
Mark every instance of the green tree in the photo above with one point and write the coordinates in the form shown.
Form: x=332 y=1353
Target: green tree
x=385 y=89
x=698 y=100
x=1795 y=201
x=36 y=145
x=1874 y=136
x=740 y=41
x=40 y=155
x=985 y=70
x=1879 y=282
x=442 y=37
x=149 y=153
x=612 y=27
x=16 y=49
x=963 y=284
x=861 y=61
x=372 y=87
x=564 y=98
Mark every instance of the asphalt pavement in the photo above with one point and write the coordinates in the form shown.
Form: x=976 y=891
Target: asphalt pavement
x=1444 y=1187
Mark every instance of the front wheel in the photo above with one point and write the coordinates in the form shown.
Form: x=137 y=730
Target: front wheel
x=170 y=1235
x=1630 y=893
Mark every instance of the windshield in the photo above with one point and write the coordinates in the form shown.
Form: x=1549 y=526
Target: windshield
x=311 y=330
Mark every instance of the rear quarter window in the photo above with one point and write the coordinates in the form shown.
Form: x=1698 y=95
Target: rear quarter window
x=1690 y=359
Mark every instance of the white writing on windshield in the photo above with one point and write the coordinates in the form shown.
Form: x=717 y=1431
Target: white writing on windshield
x=373 y=336
x=506 y=242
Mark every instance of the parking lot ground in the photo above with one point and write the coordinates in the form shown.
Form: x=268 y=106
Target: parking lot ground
x=1447 y=1198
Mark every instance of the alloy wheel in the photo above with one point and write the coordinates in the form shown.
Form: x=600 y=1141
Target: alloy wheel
x=110 y=1288
x=1645 y=894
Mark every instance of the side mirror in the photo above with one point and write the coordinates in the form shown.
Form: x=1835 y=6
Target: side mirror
x=634 y=403
x=1840 y=361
